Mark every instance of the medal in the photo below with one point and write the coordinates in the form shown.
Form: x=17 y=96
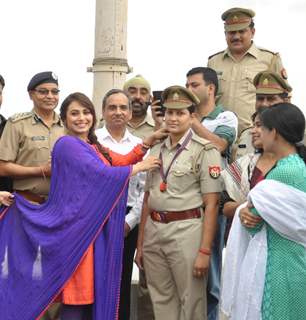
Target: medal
x=164 y=175
x=163 y=186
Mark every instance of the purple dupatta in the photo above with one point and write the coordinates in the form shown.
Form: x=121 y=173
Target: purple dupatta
x=42 y=245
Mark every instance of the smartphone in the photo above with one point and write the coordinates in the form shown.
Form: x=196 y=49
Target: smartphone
x=157 y=95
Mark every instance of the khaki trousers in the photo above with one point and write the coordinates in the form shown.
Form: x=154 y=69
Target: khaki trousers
x=144 y=303
x=169 y=252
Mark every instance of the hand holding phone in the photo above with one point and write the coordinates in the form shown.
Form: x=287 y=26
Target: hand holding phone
x=159 y=108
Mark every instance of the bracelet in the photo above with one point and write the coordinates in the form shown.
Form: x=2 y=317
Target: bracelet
x=145 y=146
x=205 y=251
x=43 y=173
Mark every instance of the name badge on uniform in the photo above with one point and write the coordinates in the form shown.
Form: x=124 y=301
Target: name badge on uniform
x=38 y=138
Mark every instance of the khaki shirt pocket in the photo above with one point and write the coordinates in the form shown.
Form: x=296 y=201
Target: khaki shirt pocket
x=40 y=147
x=247 y=81
x=223 y=82
x=181 y=178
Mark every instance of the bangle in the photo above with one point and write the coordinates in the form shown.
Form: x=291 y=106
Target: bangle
x=146 y=146
x=205 y=251
x=43 y=172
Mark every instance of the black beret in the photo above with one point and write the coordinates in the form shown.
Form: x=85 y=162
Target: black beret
x=42 y=77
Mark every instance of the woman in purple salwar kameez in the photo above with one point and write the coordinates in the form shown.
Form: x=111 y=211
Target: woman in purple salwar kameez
x=41 y=246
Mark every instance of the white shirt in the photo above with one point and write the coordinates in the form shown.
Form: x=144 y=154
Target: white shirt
x=136 y=184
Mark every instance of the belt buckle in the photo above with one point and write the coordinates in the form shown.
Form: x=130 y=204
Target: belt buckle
x=160 y=217
x=157 y=216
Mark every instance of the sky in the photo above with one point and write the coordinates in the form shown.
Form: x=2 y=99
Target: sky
x=166 y=38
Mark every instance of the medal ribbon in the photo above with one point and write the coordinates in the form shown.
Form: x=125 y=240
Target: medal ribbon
x=177 y=153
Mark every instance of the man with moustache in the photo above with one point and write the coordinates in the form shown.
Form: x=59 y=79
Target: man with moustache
x=271 y=89
x=117 y=112
x=28 y=139
x=240 y=62
x=139 y=91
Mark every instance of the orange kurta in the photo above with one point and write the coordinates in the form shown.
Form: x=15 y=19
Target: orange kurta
x=80 y=287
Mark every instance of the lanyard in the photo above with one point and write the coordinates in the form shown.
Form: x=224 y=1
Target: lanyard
x=163 y=184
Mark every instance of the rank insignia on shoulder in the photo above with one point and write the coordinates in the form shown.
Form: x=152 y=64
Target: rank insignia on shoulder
x=20 y=116
x=214 y=171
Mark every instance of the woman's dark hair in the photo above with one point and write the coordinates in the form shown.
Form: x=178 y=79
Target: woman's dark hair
x=257 y=113
x=192 y=108
x=288 y=121
x=84 y=101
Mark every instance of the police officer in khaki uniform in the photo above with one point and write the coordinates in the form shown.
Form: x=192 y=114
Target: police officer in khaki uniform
x=28 y=139
x=271 y=88
x=5 y=182
x=139 y=91
x=27 y=142
x=240 y=62
x=175 y=239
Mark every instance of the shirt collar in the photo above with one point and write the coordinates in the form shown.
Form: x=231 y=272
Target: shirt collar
x=105 y=134
x=56 y=118
x=253 y=50
x=167 y=142
x=147 y=120
x=213 y=114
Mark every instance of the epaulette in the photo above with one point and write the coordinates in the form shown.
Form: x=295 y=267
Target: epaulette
x=215 y=54
x=19 y=116
x=205 y=143
x=266 y=50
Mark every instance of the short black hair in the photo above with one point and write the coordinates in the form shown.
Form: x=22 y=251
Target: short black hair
x=112 y=92
x=209 y=76
x=2 y=82
x=192 y=108
x=257 y=113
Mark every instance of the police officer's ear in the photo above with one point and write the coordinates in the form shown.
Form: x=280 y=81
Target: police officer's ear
x=31 y=92
x=212 y=89
x=253 y=32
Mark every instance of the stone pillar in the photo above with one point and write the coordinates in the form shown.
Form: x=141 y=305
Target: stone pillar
x=110 y=61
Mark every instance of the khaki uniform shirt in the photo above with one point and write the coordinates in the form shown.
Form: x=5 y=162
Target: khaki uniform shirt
x=190 y=177
x=144 y=129
x=244 y=145
x=2 y=124
x=236 y=89
x=27 y=141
